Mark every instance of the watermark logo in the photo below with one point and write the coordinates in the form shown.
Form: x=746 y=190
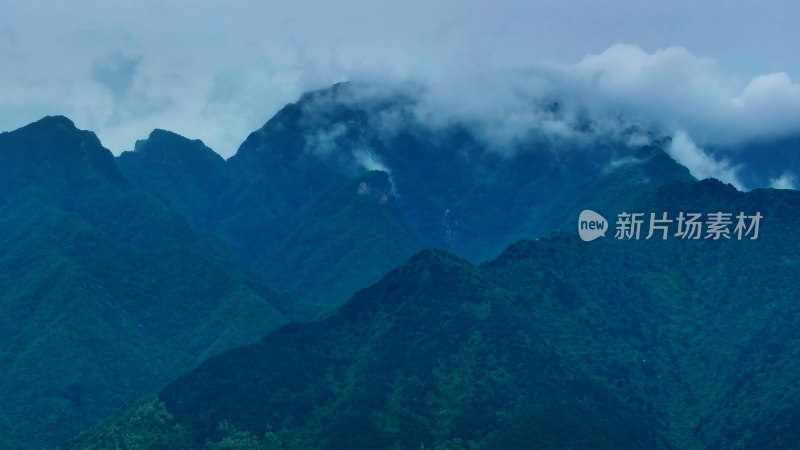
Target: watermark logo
x=591 y=225
x=687 y=226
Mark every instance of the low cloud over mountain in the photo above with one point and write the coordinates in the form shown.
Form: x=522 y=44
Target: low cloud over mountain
x=222 y=70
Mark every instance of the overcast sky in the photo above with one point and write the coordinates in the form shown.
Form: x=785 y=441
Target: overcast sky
x=710 y=70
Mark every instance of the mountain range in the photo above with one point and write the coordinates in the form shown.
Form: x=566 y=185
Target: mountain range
x=106 y=292
x=556 y=343
x=287 y=200
x=170 y=263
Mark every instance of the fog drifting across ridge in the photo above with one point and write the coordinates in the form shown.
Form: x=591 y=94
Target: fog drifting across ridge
x=675 y=89
x=669 y=92
x=218 y=71
x=700 y=163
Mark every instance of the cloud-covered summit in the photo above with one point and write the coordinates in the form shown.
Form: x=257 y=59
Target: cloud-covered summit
x=676 y=90
x=669 y=92
x=217 y=71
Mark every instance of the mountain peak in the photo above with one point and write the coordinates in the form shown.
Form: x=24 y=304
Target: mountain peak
x=160 y=134
x=165 y=150
x=56 y=127
x=167 y=144
x=168 y=164
x=55 y=121
x=430 y=266
x=52 y=151
x=431 y=269
x=51 y=130
x=435 y=255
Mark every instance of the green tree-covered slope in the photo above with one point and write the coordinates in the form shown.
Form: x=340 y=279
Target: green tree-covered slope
x=557 y=343
x=289 y=192
x=105 y=292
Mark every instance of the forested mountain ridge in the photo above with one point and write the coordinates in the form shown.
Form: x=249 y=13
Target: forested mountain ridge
x=106 y=292
x=140 y=267
x=289 y=191
x=557 y=343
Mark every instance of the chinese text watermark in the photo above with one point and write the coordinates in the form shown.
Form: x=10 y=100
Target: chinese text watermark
x=687 y=226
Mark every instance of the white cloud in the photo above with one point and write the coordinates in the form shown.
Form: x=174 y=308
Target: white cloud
x=217 y=71
x=625 y=161
x=701 y=164
x=325 y=141
x=667 y=91
x=367 y=160
x=673 y=89
x=785 y=181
